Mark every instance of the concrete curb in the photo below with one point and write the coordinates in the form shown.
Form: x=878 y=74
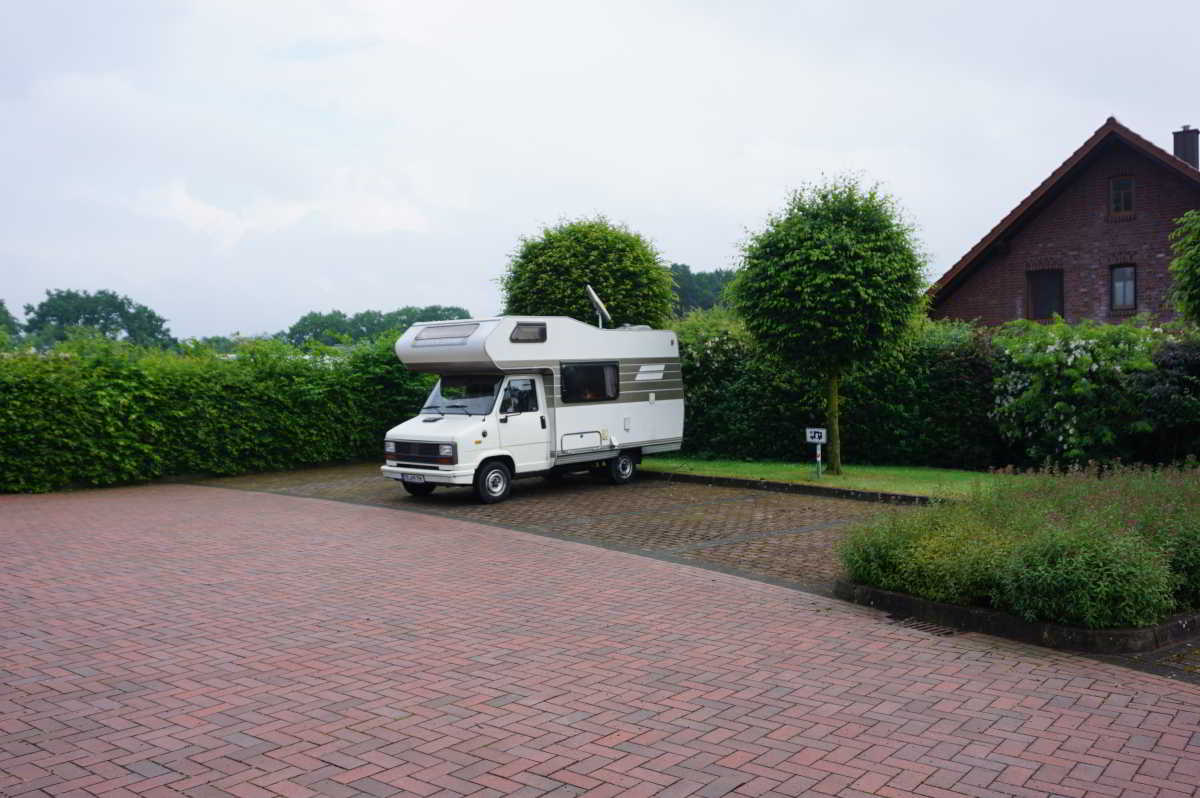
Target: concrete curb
x=789 y=487
x=1175 y=629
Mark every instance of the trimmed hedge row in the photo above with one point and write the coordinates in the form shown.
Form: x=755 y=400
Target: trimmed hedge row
x=954 y=395
x=1091 y=548
x=95 y=412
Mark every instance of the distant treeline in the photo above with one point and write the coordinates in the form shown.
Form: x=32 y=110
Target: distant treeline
x=66 y=313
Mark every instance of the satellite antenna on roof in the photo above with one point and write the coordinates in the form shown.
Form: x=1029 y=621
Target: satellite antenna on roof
x=601 y=311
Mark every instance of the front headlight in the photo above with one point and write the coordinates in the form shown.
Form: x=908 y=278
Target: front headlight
x=389 y=446
x=446 y=450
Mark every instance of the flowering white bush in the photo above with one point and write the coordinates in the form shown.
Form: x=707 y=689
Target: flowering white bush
x=1064 y=393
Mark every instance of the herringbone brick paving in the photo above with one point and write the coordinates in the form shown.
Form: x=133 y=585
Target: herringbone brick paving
x=648 y=515
x=178 y=640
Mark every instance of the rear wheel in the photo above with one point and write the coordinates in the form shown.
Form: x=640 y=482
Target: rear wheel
x=621 y=468
x=419 y=488
x=493 y=482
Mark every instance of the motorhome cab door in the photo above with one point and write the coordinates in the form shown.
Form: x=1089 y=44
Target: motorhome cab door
x=524 y=430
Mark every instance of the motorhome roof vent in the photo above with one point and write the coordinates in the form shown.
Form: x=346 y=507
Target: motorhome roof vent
x=634 y=327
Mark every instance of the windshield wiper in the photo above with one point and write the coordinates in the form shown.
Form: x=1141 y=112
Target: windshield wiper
x=464 y=407
x=434 y=407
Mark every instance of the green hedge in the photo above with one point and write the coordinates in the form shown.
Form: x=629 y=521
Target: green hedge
x=955 y=395
x=928 y=404
x=1099 y=549
x=94 y=412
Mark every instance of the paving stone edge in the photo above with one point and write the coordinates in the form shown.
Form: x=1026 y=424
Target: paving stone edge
x=789 y=487
x=1174 y=630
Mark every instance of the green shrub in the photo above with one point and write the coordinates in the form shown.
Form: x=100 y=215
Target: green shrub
x=1185 y=561
x=874 y=553
x=1067 y=393
x=1095 y=547
x=98 y=412
x=1171 y=394
x=1092 y=580
x=941 y=553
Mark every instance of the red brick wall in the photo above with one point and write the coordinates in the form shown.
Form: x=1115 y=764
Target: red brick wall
x=1074 y=232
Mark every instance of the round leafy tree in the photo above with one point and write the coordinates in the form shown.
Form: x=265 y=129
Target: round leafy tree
x=114 y=316
x=1185 y=268
x=547 y=275
x=832 y=282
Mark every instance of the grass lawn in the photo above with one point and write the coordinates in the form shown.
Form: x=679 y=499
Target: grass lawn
x=940 y=482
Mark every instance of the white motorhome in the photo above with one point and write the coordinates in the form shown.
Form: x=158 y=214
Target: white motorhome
x=526 y=396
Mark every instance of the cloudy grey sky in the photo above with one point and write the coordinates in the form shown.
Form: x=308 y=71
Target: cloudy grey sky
x=237 y=163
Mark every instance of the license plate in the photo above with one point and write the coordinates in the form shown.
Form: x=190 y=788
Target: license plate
x=412 y=477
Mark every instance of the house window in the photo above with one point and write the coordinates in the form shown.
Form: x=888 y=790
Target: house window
x=1045 y=293
x=1120 y=196
x=589 y=382
x=1124 y=287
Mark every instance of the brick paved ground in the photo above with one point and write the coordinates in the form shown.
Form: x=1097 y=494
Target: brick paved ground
x=744 y=530
x=172 y=640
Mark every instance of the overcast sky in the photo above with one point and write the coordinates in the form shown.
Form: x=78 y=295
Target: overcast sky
x=234 y=164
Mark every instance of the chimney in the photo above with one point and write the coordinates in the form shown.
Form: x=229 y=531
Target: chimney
x=1187 y=146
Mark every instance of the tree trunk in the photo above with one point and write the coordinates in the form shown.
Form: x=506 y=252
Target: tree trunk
x=831 y=420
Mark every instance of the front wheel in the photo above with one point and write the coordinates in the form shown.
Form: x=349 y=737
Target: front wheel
x=419 y=488
x=621 y=468
x=493 y=482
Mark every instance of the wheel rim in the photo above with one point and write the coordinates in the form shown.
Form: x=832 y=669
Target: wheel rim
x=624 y=467
x=495 y=482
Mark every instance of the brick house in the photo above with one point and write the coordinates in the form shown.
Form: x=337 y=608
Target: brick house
x=1089 y=243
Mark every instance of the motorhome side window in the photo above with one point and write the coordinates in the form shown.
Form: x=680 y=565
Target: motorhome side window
x=519 y=397
x=528 y=334
x=589 y=382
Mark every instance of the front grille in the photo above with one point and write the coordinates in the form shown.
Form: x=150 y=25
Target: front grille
x=413 y=452
x=412 y=447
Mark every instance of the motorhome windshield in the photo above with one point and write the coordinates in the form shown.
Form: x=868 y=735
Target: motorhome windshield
x=470 y=394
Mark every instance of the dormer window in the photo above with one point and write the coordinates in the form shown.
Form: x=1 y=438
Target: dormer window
x=1120 y=196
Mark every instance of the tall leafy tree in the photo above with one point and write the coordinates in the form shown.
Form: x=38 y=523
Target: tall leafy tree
x=327 y=328
x=698 y=290
x=8 y=322
x=1185 y=267
x=547 y=274
x=831 y=283
x=111 y=314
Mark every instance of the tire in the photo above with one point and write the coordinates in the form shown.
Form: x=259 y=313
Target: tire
x=493 y=482
x=419 y=488
x=622 y=468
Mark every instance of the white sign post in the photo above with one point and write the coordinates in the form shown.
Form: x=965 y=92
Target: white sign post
x=816 y=435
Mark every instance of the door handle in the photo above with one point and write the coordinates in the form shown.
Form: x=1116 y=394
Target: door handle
x=543 y=422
